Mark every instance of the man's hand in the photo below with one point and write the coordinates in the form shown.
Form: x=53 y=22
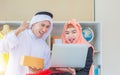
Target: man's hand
x=34 y=70
x=22 y=27
x=69 y=70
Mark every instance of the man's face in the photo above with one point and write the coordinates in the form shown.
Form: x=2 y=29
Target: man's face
x=40 y=28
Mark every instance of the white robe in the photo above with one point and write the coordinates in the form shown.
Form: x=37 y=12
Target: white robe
x=26 y=43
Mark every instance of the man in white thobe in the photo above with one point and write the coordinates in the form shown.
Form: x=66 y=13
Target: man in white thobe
x=31 y=42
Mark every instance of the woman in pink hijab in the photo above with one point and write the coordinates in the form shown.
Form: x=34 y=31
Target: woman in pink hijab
x=72 y=34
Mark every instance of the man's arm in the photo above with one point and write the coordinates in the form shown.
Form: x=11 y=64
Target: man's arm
x=21 y=28
x=10 y=40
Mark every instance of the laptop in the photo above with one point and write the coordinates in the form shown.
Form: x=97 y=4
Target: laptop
x=69 y=55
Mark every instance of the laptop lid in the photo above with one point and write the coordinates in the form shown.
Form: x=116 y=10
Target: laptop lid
x=69 y=55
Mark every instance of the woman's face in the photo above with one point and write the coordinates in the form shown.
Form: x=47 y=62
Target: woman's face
x=71 y=35
x=40 y=28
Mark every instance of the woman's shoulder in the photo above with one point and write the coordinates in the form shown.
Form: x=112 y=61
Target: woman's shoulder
x=90 y=48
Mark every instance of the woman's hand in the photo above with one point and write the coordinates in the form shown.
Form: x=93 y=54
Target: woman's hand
x=33 y=69
x=69 y=70
x=22 y=27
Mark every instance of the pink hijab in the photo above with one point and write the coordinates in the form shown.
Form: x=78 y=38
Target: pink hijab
x=80 y=38
x=78 y=27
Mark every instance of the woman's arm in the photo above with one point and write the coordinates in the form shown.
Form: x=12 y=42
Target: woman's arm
x=88 y=64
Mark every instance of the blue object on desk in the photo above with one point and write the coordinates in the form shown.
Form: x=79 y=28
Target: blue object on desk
x=96 y=71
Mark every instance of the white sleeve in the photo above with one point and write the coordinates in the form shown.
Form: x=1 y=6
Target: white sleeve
x=8 y=42
x=47 y=60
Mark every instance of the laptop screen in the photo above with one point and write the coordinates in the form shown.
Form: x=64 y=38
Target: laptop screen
x=69 y=55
